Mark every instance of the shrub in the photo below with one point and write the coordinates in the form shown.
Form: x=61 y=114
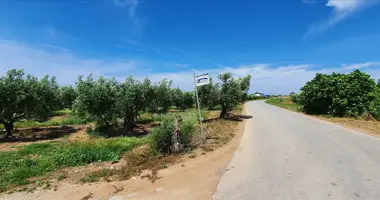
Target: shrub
x=187 y=130
x=295 y=98
x=162 y=136
x=339 y=94
x=374 y=108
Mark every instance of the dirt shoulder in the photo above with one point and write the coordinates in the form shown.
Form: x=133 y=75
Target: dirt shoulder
x=195 y=177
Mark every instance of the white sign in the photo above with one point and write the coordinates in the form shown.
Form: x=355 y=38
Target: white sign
x=202 y=80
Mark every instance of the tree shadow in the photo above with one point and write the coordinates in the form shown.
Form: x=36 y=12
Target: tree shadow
x=38 y=134
x=230 y=117
x=139 y=131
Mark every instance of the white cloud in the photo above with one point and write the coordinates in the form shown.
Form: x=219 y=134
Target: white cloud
x=266 y=78
x=64 y=65
x=361 y=65
x=342 y=9
x=53 y=47
x=131 y=4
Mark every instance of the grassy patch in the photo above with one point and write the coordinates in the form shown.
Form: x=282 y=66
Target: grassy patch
x=187 y=115
x=63 y=112
x=71 y=120
x=286 y=103
x=38 y=159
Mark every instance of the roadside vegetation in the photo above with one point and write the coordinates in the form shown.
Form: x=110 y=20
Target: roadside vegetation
x=117 y=117
x=350 y=99
x=285 y=102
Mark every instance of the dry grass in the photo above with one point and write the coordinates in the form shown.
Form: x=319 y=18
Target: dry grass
x=369 y=126
x=141 y=161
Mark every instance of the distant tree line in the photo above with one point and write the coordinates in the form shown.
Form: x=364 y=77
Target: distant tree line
x=106 y=101
x=354 y=94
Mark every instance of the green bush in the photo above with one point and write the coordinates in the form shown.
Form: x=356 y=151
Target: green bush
x=295 y=98
x=187 y=130
x=162 y=135
x=374 y=108
x=339 y=94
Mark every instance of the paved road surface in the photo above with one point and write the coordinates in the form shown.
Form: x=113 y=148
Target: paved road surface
x=287 y=156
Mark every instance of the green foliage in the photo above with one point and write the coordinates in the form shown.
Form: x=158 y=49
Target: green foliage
x=17 y=167
x=188 y=99
x=339 y=94
x=374 y=107
x=178 y=98
x=24 y=97
x=209 y=95
x=67 y=96
x=132 y=98
x=182 y=100
x=295 y=98
x=46 y=97
x=245 y=83
x=162 y=135
x=97 y=100
x=162 y=95
x=232 y=91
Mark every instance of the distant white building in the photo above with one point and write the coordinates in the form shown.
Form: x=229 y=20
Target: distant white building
x=258 y=94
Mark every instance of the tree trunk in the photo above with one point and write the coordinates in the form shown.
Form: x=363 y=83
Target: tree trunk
x=223 y=112
x=8 y=128
x=177 y=145
x=129 y=124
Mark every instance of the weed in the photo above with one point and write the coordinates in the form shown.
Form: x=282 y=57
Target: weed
x=61 y=176
x=90 y=178
x=164 y=166
x=38 y=183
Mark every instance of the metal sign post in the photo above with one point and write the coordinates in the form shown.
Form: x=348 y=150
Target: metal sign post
x=200 y=80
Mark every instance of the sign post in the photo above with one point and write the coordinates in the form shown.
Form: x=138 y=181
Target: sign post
x=198 y=81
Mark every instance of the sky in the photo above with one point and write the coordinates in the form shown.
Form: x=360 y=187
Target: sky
x=282 y=44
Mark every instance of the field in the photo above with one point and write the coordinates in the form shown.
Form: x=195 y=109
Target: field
x=32 y=159
x=284 y=103
x=369 y=126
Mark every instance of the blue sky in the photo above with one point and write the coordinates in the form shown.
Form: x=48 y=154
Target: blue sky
x=282 y=44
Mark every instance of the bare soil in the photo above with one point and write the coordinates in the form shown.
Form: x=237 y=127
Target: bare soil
x=189 y=176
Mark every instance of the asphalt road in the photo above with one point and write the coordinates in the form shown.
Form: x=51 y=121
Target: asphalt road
x=286 y=155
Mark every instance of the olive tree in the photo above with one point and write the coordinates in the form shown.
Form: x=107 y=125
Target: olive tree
x=46 y=97
x=133 y=97
x=209 y=95
x=188 y=99
x=231 y=92
x=67 y=96
x=97 y=100
x=24 y=97
x=162 y=95
x=178 y=98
